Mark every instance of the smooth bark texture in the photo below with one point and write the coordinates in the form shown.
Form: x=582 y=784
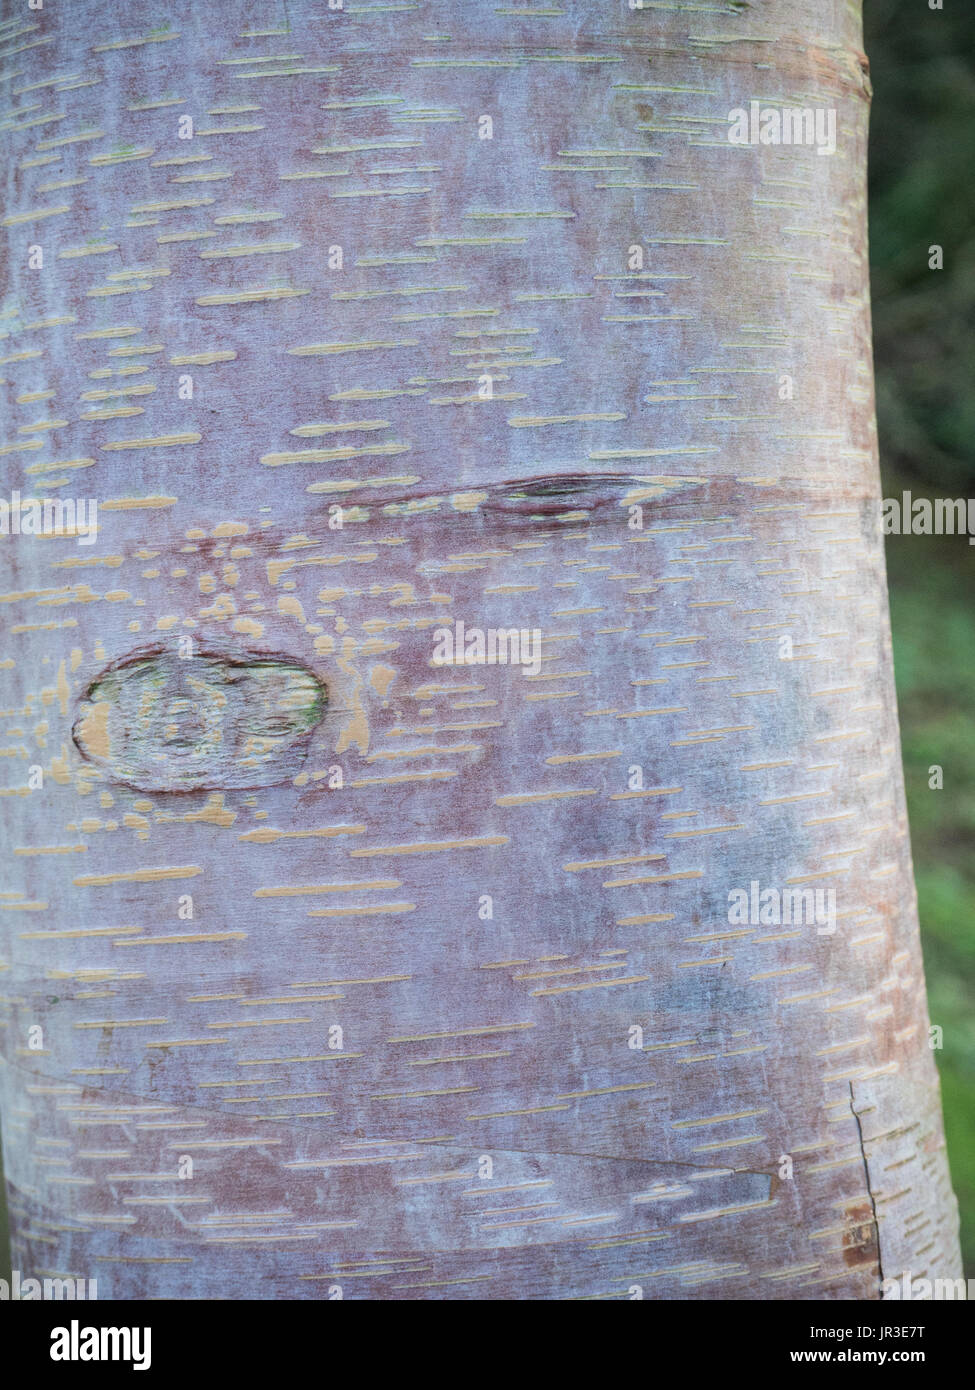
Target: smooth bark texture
x=564 y=1069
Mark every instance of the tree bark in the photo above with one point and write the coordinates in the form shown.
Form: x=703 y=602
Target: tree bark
x=463 y=1009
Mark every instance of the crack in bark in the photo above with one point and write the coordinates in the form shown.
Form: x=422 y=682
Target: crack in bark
x=873 y=1201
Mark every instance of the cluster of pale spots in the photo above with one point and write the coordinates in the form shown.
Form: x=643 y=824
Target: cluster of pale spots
x=163 y=723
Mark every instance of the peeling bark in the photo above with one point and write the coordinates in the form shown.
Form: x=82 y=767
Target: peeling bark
x=358 y=972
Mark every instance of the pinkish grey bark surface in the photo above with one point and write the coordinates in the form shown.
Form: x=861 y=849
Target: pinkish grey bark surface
x=460 y=1011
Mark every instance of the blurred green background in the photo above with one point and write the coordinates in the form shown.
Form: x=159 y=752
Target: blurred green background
x=922 y=158
x=922 y=154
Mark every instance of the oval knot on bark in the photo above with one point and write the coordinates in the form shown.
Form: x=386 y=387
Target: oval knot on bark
x=160 y=722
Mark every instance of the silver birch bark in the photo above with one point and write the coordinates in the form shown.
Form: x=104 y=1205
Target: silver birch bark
x=329 y=970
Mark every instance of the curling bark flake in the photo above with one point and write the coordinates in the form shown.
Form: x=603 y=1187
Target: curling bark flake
x=425 y=985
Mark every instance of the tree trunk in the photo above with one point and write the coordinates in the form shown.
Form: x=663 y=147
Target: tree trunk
x=336 y=965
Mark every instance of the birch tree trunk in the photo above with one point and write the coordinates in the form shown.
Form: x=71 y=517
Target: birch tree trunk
x=330 y=970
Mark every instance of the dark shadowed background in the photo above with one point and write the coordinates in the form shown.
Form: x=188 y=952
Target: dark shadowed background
x=922 y=152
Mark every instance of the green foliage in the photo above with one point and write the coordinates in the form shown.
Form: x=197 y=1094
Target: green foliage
x=922 y=148
x=934 y=659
